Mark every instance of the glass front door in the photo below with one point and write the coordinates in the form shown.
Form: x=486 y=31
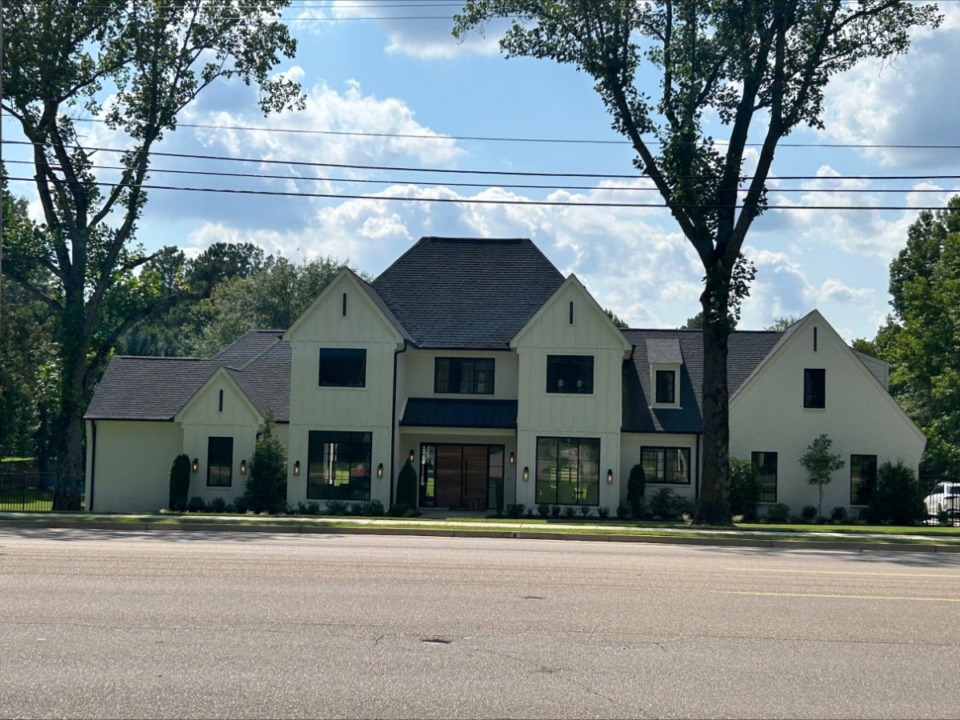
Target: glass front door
x=460 y=477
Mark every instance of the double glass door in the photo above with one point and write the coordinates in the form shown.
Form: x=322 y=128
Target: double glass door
x=461 y=477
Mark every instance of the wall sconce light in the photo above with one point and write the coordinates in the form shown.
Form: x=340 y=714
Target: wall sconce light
x=296 y=468
x=610 y=477
x=195 y=466
x=411 y=456
x=380 y=471
x=243 y=467
x=513 y=458
x=526 y=474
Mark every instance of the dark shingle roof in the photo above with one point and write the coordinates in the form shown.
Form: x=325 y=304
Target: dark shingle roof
x=151 y=388
x=431 y=412
x=467 y=293
x=747 y=351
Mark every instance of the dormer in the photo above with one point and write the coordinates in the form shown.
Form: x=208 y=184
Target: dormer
x=665 y=360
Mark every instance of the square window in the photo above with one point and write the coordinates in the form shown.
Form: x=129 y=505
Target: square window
x=570 y=374
x=338 y=465
x=814 y=388
x=219 y=462
x=343 y=367
x=568 y=471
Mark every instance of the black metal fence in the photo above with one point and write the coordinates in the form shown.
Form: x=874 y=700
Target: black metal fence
x=30 y=491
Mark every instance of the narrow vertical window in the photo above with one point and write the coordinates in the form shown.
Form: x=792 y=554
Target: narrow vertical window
x=343 y=306
x=814 y=338
x=221 y=401
x=571 y=312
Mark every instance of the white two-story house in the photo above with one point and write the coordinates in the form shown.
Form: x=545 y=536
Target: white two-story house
x=478 y=362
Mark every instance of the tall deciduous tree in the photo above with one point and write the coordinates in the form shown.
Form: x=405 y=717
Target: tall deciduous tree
x=153 y=57
x=760 y=67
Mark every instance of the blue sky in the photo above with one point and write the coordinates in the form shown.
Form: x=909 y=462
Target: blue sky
x=364 y=74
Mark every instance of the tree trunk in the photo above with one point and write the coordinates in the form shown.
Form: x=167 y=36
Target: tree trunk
x=70 y=457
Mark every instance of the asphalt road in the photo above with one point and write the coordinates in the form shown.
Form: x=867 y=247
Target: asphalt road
x=184 y=624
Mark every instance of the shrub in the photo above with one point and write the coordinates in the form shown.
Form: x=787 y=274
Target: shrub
x=240 y=505
x=179 y=483
x=555 y=511
x=636 y=487
x=543 y=510
x=897 y=498
x=218 y=505
x=266 y=489
x=666 y=504
x=407 y=486
x=196 y=504
x=373 y=508
x=838 y=514
x=585 y=510
x=515 y=511
x=623 y=511
x=336 y=507
x=398 y=510
x=412 y=512
x=355 y=509
x=779 y=513
x=569 y=512
x=603 y=512
x=744 y=489
x=809 y=513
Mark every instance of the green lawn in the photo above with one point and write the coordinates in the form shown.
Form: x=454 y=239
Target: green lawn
x=31 y=500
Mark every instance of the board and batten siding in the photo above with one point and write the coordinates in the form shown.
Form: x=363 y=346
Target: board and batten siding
x=630 y=454
x=767 y=415
x=419 y=373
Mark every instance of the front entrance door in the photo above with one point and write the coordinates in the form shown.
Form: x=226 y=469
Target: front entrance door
x=459 y=476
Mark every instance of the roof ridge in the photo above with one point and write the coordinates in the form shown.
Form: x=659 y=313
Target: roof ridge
x=256 y=357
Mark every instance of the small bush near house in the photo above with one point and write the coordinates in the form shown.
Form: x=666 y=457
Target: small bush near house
x=336 y=507
x=373 y=508
x=555 y=511
x=217 y=505
x=623 y=511
x=179 y=483
x=838 y=514
x=897 y=498
x=636 y=487
x=407 y=486
x=779 y=513
x=543 y=510
x=196 y=504
x=744 y=489
x=603 y=512
x=266 y=489
x=398 y=510
x=809 y=513
x=569 y=512
x=240 y=505
x=666 y=504
x=515 y=511
x=585 y=510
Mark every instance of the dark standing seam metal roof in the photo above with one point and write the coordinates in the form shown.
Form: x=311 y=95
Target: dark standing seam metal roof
x=747 y=351
x=432 y=412
x=467 y=293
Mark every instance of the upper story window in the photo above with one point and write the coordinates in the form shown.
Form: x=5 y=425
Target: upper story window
x=468 y=376
x=343 y=367
x=814 y=388
x=569 y=373
x=666 y=386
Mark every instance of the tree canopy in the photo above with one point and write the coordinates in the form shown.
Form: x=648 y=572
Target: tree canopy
x=670 y=72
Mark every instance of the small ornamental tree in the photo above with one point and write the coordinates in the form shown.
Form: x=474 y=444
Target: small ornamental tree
x=179 y=483
x=636 y=488
x=820 y=465
x=266 y=489
x=407 y=486
x=744 y=488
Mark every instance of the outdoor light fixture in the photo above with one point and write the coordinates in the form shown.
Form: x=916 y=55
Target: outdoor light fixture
x=196 y=465
x=380 y=470
x=243 y=467
x=610 y=477
x=513 y=458
x=526 y=474
x=411 y=456
x=296 y=468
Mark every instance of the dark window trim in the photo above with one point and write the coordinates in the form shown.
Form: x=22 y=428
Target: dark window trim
x=675 y=375
x=360 y=358
x=338 y=437
x=666 y=448
x=210 y=462
x=871 y=482
x=754 y=460
x=455 y=377
x=536 y=469
x=814 y=388
x=561 y=367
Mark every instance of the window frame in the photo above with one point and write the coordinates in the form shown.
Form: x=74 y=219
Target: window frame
x=346 y=365
x=459 y=369
x=814 y=380
x=759 y=460
x=661 y=462
x=561 y=368
x=214 y=459
x=655 y=373
x=856 y=498
x=585 y=492
x=317 y=476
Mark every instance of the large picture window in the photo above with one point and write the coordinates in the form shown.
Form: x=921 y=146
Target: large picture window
x=667 y=465
x=568 y=471
x=219 y=461
x=338 y=465
x=569 y=373
x=766 y=465
x=343 y=367
x=863 y=478
x=814 y=388
x=473 y=376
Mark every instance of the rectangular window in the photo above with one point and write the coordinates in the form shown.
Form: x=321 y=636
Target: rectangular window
x=814 y=388
x=766 y=465
x=338 y=465
x=666 y=391
x=568 y=471
x=465 y=376
x=569 y=373
x=669 y=465
x=219 y=461
x=343 y=367
x=863 y=478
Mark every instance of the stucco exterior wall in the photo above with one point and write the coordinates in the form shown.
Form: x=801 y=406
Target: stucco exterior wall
x=133 y=460
x=768 y=415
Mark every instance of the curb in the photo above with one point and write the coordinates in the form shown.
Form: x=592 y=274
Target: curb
x=313 y=529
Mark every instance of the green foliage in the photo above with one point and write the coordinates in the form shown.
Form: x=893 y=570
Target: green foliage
x=898 y=498
x=585 y=511
x=665 y=503
x=399 y=510
x=757 y=70
x=779 y=513
x=373 y=508
x=820 y=465
x=636 y=487
x=179 y=483
x=744 y=489
x=838 y=514
x=809 y=513
x=543 y=510
x=240 y=505
x=196 y=505
x=569 y=512
x=266 y=489
x=515 y=510
x=555 y=511
x=603 y=511
x=217 y=505
x=623 y=511
x=336 y=507
x=407 y=486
